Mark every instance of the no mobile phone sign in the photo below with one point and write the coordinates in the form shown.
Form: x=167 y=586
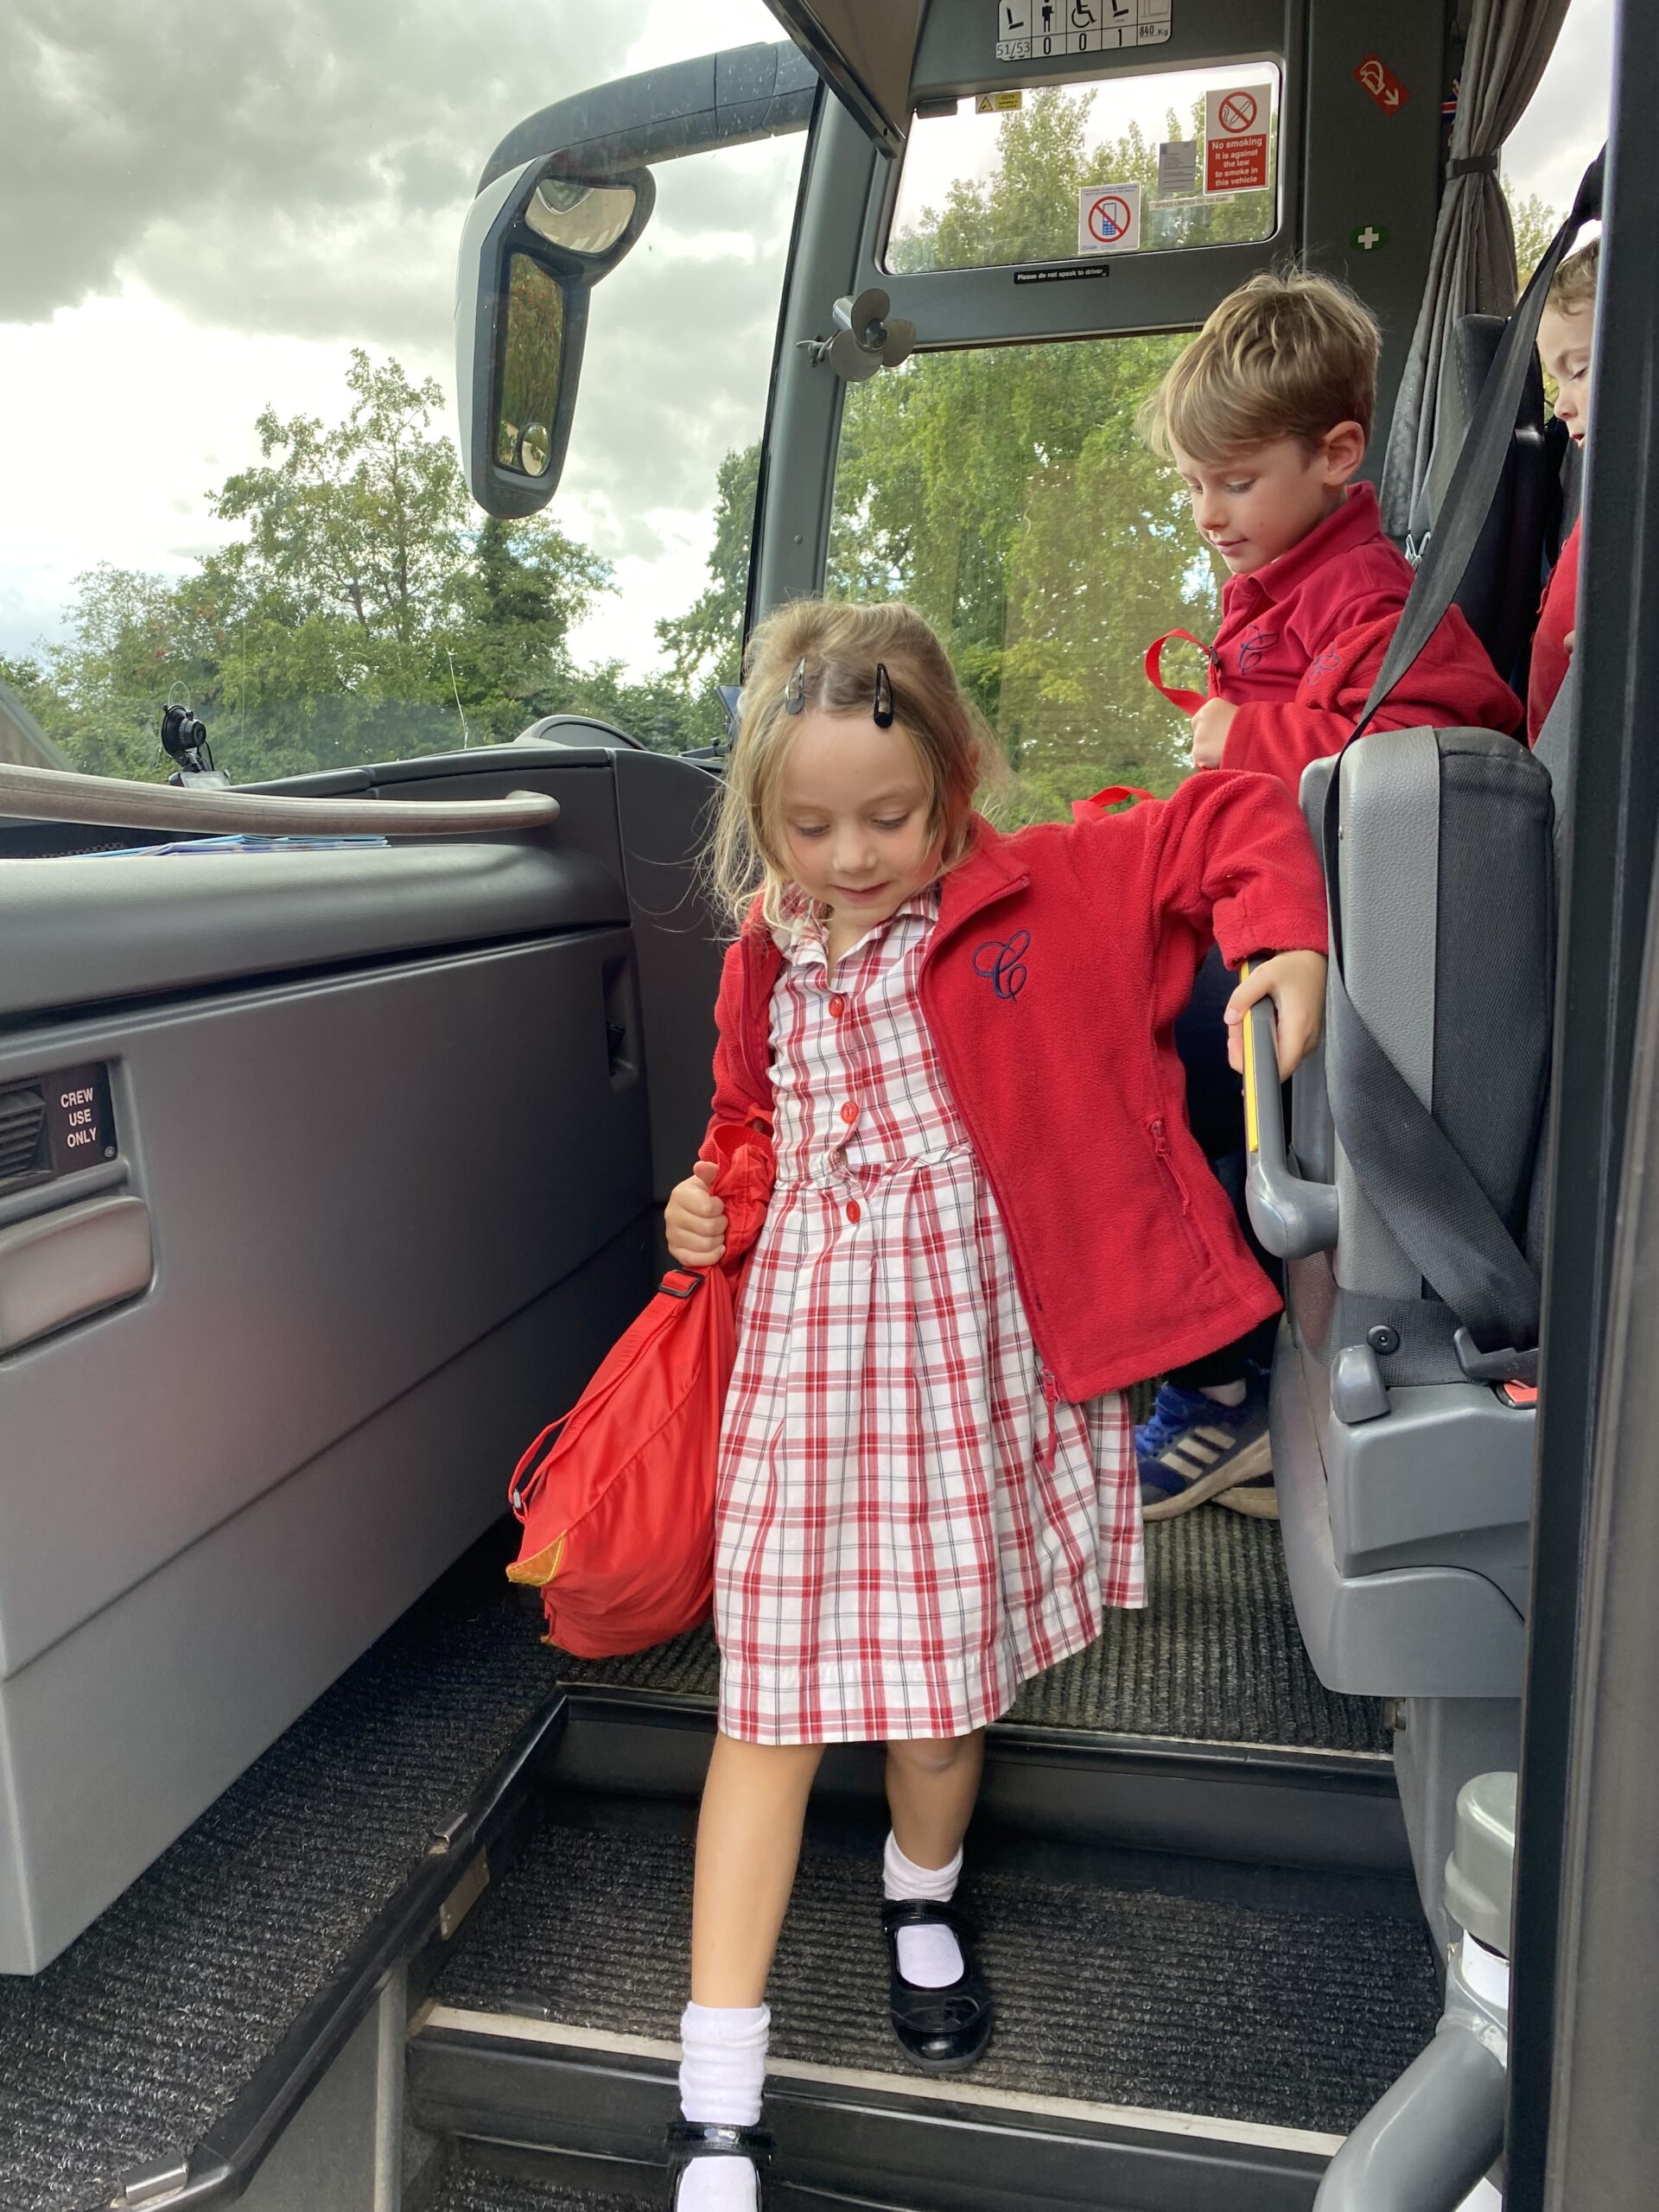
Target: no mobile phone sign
x=1108 y=218
x=1236 y=138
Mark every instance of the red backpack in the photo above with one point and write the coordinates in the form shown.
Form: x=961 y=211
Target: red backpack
x=618 y=1512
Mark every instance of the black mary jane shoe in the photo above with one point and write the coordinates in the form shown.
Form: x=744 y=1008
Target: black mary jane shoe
x=688 y=2140
x=942 y=2029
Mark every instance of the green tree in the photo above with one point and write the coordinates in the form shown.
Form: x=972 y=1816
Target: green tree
x=363 y=518
x=705 y=644
x=360 y=614
x=1534 y=223
x=505 y=636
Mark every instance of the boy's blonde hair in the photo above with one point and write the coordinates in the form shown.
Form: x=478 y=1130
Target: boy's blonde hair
x=841 y=646
x=1285 y=356
x=1574 y=285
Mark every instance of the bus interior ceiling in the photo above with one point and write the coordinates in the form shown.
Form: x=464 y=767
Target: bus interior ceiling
x=322 y=1885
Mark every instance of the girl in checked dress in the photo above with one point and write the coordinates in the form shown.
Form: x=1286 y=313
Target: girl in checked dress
x=988 y=1219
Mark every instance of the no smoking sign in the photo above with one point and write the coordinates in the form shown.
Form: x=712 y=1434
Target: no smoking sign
x=1236 y=138
x=1108 y=219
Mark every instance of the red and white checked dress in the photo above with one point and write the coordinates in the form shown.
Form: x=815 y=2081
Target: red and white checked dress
x=908 y=1523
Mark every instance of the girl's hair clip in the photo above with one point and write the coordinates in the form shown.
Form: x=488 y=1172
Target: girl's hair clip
x=795 y=689
x=883 y=708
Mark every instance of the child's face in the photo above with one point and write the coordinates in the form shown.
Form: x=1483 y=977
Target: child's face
x=855 y=810
x=1257 y=503
x=1564 y=344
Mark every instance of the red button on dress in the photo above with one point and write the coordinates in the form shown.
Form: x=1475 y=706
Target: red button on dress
x=837 y=1006
x=854 y=1212
x=849 y=1113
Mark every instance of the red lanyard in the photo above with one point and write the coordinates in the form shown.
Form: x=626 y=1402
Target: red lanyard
x=1106 y=802
x=1188 y=702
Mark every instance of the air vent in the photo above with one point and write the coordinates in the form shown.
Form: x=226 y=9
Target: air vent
x=23 y=1135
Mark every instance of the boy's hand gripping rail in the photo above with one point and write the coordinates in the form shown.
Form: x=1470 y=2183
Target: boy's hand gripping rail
x=1291 y=1216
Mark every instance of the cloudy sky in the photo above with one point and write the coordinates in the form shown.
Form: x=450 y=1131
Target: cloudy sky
x=204 y=203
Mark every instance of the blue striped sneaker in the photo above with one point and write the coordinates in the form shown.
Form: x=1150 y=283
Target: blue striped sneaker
x=1191 y=1449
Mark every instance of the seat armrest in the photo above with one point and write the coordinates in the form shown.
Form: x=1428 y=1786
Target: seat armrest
x=1293 y=1216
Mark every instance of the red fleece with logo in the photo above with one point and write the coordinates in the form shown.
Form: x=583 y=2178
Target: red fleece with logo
x=1302 y=639
x=1051 y=985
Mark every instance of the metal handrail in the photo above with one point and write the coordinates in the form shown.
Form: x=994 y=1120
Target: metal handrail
x=113 y=801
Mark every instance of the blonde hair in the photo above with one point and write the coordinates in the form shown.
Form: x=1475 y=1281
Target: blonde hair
x=841 y=646
x=1574 y=285
x=1287 y=355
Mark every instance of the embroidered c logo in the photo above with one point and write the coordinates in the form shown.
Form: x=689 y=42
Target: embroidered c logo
x=1003 y=966
x=1259 y=643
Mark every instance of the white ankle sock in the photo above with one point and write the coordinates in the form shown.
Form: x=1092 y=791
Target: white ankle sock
x=723 y=2072
x=930 y=1957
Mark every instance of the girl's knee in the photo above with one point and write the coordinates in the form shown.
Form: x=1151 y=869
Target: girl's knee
x=935 y=1754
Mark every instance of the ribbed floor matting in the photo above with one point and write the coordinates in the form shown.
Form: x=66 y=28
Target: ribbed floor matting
x=469 y=2188
x=1216 y=1656
x=129 y=2046
x=1117 y=1994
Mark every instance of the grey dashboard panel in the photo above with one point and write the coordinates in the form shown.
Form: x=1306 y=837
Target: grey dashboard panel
x=113 y=1740
x=98 y=927
x=349 y=1181
x=391 y=1115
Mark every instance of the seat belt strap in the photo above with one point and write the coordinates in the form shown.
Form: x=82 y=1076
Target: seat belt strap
x=1410 y=1172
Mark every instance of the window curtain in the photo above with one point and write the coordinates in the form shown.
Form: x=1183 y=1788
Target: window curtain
x=1472 y=271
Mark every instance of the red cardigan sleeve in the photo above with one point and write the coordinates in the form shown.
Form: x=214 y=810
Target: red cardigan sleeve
x=1229 y=854
x=1453 y=685
x=737 y=1096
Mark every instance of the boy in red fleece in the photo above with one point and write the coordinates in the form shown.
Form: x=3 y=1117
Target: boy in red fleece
x=1267 y=416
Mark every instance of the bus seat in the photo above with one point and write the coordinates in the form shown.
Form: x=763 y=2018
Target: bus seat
x=1404 y=1482
x=1500 y=588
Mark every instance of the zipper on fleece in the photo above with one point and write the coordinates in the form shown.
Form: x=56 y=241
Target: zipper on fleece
x=1158 y=1133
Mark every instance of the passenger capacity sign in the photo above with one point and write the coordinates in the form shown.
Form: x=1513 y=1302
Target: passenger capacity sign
x=1108 y=218
x=1041 y=30
x=1236 y=138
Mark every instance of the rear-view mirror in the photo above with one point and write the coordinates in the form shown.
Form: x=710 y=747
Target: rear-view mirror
x=533 y=247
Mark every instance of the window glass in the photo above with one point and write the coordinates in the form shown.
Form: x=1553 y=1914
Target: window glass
x=984 y=190
x=1006 y=494
x=235 y=283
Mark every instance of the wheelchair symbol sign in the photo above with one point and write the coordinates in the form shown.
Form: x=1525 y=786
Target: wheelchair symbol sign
x=1108 y=219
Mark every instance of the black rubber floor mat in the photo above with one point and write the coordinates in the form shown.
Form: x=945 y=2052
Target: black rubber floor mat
x=1215 y=1657
x=132 y=2043
x=1112 y=1994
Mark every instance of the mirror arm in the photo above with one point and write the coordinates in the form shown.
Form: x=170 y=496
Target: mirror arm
x=730 y=99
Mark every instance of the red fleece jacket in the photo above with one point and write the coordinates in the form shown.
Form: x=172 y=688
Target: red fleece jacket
x=1061 y=958
x=1301 y=640
x=1558 y=617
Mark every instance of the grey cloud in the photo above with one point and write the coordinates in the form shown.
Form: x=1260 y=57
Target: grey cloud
x=182 y=138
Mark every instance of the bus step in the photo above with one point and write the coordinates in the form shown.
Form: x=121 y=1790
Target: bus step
x=1170 y=2032
x=515 y=2104
x=623 y=1752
